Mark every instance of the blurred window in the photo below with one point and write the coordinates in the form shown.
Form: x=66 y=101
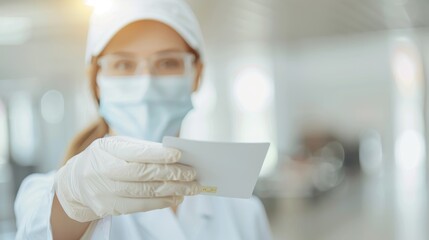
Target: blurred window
x=21 y=116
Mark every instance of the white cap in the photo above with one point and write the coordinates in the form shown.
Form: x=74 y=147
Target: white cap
x=175 y=13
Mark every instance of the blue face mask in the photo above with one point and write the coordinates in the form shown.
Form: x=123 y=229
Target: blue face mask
x=145 y=107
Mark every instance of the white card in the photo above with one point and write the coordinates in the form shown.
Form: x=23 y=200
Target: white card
x=224 y=169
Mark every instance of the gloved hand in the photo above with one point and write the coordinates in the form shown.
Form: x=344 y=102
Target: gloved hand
x=119 y=175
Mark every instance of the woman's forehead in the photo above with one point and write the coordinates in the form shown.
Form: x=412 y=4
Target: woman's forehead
x=146 y=37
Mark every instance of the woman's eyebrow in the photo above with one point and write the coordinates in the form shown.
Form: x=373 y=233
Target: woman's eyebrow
x=122 y=53
x=171 y=50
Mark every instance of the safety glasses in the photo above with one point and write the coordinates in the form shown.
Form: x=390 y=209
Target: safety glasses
x=160 y=64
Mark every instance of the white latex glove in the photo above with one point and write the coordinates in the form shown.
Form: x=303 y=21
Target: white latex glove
x=119 y=175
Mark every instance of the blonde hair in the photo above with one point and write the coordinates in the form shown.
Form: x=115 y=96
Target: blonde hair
x=96 y=130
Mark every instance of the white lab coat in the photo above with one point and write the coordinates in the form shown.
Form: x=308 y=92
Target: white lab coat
x=198 y=217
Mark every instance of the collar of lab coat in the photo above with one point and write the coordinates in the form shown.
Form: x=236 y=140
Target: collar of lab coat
x=204 y=205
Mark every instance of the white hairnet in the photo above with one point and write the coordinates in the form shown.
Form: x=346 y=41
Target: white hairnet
x=175 y=13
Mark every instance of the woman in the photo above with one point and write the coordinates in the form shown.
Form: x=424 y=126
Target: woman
x=145 y=59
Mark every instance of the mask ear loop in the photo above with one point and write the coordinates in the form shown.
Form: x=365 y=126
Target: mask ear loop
x=190 y=72
x=189 y=66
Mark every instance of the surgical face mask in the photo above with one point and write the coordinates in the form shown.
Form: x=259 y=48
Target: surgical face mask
x=145 y=107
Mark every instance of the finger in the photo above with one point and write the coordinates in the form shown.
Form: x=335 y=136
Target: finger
x=135 y=150
x=156 y=189
x=125 y=171
x=125 y=205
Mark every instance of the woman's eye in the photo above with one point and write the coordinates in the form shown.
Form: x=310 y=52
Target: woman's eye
x=169 y=64
x=124 y=65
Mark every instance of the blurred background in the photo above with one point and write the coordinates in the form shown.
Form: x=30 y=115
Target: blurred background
x=339 y=87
